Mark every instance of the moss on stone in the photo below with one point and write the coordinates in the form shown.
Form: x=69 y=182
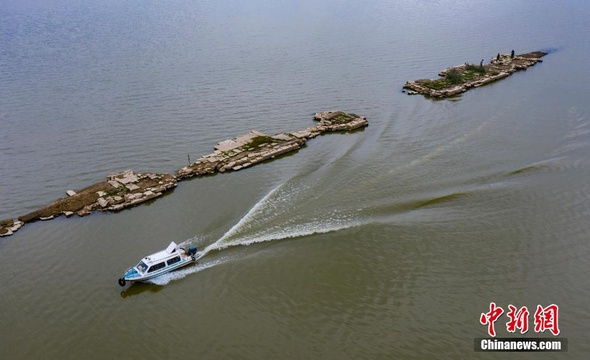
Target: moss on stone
x=258 y=141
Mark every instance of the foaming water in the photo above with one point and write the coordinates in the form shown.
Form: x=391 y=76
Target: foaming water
x=279 y=215
x=263 y=223
x=182 y=273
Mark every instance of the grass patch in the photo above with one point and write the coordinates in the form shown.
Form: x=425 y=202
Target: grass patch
x=258 y=141
x=341 y=118
x=119 y=191
x=481 y=70
x=470 y=75
x=435 y=84
x=454 y=77
x=472 y=71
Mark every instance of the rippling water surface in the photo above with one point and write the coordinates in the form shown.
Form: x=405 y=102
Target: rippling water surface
x=385 y=243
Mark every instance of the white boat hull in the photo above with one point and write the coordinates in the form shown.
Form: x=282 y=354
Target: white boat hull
x=158 y=264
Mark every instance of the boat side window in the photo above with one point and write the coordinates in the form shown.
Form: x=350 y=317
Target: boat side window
x=142 y=267
x=157 y=267
x=174 y=260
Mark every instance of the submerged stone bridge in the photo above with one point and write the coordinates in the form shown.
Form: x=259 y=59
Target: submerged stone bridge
x=458 y=79
x=255 y=147
x=123 y=190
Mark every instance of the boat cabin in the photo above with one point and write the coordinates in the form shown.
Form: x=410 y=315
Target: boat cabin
x=161 y=259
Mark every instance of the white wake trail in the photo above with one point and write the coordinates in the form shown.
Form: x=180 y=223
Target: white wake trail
x=184 y=272
x=256 y=209
x=270 y=219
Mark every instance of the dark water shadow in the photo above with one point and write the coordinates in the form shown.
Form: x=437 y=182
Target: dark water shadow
x=140 y=288
x=551 y=50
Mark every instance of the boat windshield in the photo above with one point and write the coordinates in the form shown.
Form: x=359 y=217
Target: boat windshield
x=141 y=267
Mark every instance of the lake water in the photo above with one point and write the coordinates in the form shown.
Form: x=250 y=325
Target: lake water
x=386 y=243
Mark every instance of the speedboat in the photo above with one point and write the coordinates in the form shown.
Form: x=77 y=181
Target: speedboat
x=151 y=266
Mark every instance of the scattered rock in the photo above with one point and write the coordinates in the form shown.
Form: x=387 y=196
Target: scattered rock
x=9 y=227
x=16 y=225
x=102 y=202
x=86 y=210
x=282 y=137
x=132 y=187
x=5 y=232
x=117 y=207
